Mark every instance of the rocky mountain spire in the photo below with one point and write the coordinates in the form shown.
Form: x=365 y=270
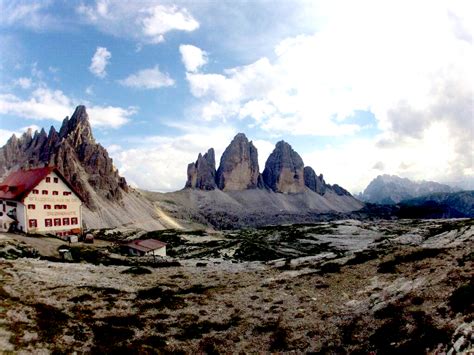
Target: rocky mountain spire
x=238 y=169
x=202 y=173
x=74 y=151
x=284 y=170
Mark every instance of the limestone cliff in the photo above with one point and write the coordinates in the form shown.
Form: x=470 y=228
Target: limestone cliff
x=284 y=170
x=202 y=173
x=238 y=169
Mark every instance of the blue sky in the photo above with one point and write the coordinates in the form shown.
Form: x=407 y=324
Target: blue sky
x=358 y=88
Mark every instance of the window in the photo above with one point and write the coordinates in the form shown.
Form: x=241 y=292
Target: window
x=48 y=179
x=65 y=221
x=48 y=222
x=44 y=192
x=35 y=192
x=63 y=207
x=33 y=223
x=47 y=207
x=31 y=207
x=59 y=207
x=66 y=193
x=57 y=221
x=55 y=193
x=74 y=220
x=56 y=180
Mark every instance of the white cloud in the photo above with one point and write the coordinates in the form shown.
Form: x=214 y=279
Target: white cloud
x=193 y=57
x=110 y=116
x=412 y=77
x=160 y=162
x=356 y=162
x=145 y=21
x=151 y=78
x=47 y=104
x=89 y=90
x=161 y=19
x=24 y=83
x=99 y=62
x=43 y=104
x=29 y=14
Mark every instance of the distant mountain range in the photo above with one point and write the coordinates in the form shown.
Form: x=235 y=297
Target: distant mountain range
x=439 y=205
x=391 y=189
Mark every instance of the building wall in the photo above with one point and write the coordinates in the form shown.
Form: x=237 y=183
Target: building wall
x=40 y=213
x=158 y=252
x=8 y=205
x=135 y=252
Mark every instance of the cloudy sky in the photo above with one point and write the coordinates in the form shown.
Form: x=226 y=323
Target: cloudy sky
x=358 y=88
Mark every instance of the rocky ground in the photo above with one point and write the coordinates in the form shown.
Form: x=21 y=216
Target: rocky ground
x=389 y=287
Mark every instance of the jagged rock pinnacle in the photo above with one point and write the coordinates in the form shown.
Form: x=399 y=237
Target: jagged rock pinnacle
x=238 y=169
x=284 y=170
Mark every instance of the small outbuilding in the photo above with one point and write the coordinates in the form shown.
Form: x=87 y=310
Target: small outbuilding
x=5 y=222
x=141 y=247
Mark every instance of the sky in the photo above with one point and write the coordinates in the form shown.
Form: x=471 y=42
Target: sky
x=358 y=88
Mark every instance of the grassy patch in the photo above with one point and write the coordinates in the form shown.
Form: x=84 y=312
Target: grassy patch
x=330 y=268
x=195 y=330
x=51 y=322
x=364 y=256
x=462 y=299
x=406 y=332
x=136 y=270
x=390 y=265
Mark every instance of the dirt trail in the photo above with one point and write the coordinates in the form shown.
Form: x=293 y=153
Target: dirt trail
x=167 y=220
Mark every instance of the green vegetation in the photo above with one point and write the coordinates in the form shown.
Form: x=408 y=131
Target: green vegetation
x=462 y=299
x=390 y=265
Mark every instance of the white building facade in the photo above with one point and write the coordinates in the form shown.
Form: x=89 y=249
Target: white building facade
x=41 y=201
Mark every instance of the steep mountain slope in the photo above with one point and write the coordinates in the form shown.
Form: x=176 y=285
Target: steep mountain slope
x=252 y=208
x=391 y=189
x=87 y=166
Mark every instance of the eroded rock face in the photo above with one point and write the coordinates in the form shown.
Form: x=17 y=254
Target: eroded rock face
x=238 y=169
x=74 y=151
x=313 y=181
x=202 y=173
x=284 y=170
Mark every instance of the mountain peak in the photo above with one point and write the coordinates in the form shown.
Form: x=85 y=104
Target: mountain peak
x=78 y=125
x=391 y=189
x=238 y=169
x=284 y=170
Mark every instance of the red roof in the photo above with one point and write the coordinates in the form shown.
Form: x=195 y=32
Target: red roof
x=146 y=245
x=19 y=184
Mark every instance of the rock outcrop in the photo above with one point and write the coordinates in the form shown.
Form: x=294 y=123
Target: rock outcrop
x=202 y=173
x=339 y=190
x=313 y=181
x=284 y=170
x=85 y=163
x=238 y=169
